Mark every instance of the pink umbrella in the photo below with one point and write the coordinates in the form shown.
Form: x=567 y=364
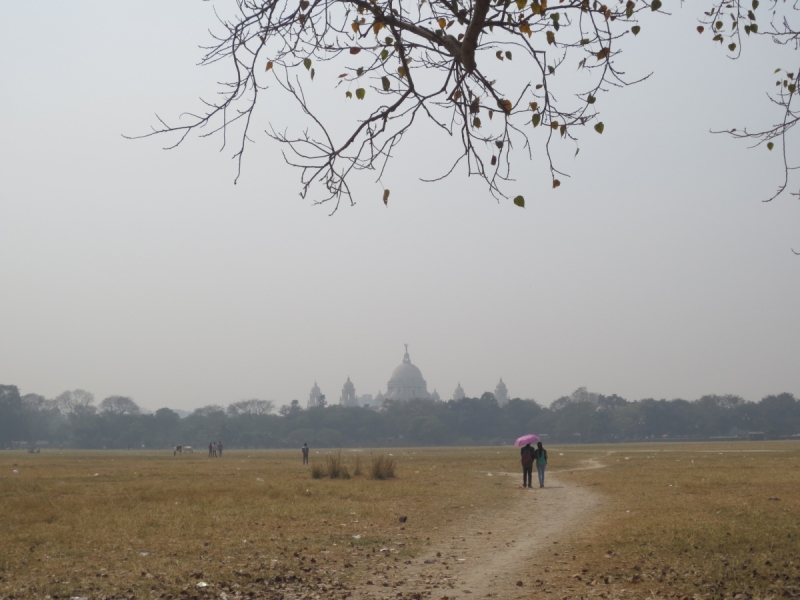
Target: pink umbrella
x=526 y=439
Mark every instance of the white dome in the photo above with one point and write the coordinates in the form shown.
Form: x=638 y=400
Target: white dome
x=406 y=382
x=406 y=372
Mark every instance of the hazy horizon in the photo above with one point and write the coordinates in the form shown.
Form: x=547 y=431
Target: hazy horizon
x=653 y=271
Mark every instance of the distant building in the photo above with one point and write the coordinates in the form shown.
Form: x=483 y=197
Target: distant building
x=348 y=397
x=314 y=396
x=406 y=382
x=365 y=400
x=501 y=393
x=459 y=393
x=435 y=396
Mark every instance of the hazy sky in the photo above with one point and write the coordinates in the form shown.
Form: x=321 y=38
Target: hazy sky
x=655 y=271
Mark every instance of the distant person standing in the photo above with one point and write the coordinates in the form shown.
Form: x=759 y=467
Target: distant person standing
x=210 y=449
x=305 y=453
x=540 y=455
x=526 y=455
x=219 y=448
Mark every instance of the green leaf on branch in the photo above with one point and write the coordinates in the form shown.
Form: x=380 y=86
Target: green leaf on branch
x=360 y=93
x=599 y=127
x=386 y=197
x=536 y=119
x=385 y=83
x=591 y=99
x=770 y=146
x=731 y=46
x=635 y=30
x=384 y=54
x=655 y=5
x=519 y=201
x=307 y=64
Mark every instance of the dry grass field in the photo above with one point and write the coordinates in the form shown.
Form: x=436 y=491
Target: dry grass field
x=696 y=520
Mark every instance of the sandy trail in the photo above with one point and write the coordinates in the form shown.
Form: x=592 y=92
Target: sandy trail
x=487 y=552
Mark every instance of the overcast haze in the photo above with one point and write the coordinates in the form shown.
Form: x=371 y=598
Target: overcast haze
x=654 y=271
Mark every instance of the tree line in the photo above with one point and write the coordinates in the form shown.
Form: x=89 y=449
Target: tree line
x=74 y=420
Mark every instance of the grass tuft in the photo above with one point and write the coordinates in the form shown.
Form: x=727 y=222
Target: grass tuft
x=336 y=467
x=383 y=467
x=317 y=471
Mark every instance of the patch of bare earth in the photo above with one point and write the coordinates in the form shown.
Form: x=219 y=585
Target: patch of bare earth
x=504 y=553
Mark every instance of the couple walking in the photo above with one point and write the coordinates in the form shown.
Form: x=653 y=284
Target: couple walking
x=529 y=456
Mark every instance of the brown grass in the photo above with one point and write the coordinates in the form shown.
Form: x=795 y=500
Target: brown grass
x=680 y=520
x=382 y=467
x=335 y=466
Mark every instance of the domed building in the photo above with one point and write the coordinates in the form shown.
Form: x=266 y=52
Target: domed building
x=406 y=382
x=314 y=396
x=459 y=393
x=435 y=396
x=348 y=397
x=501 y=393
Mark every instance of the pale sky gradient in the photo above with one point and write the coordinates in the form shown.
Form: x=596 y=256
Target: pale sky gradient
x=655 y=271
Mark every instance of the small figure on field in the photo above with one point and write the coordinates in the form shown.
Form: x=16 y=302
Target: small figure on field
x=526 y=454
x=210 y=449
x=541 y=462
x=305 y=453
x=219 y=448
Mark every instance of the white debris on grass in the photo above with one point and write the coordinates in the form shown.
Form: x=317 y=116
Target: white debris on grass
x=356 y=537
x=15 y=472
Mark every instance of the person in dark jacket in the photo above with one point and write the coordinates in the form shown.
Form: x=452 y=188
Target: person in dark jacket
x=527 y=456
x=540 y=456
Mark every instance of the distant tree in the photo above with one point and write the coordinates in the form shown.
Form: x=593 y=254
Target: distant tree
x=251 y=408
x=321 y=401
x=119 y=405
x=10 y=415
x=581 y=395
x=35 y=402
x=76 y=402
x=292 y=409
x=209 y=410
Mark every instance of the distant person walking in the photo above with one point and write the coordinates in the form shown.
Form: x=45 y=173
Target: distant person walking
x=210 y=449
x=541 y=462
x=526 y=455
x=219 y=448
x=305 y=453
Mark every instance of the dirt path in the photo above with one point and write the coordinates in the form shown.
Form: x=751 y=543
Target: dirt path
x=487 y=553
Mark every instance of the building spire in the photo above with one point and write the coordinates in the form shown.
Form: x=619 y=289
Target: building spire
x=406 y=358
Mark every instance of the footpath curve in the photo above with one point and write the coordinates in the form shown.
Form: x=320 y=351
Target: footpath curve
x=487 y=553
